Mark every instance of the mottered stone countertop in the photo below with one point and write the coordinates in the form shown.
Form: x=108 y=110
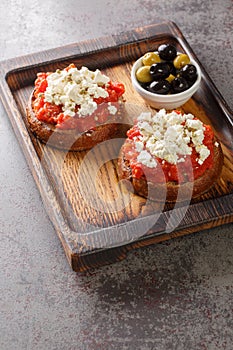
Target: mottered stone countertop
x=176 y=295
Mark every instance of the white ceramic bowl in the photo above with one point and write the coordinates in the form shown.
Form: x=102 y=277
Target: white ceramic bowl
x=169 y=101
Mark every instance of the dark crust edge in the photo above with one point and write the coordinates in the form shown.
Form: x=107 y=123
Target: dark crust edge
x=170 y=189
x=71 y=139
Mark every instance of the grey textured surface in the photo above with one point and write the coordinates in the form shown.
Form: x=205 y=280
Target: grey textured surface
x=172 y=296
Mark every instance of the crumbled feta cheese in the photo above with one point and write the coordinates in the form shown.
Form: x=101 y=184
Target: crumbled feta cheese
x=146 y=127
x=77 y=87
x=169 y=136
x=139 y=146
x=87 y=108
x=145 y=116
x=145 y=158
x=112 y=109
x=100 y=78
x=204 y=153
x=194 y=124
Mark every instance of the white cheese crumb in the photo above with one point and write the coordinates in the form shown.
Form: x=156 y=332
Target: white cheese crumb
x=145 y=116
x=100 y=78
x=204 y=153
x=112 y=109
x=145 y=158
x=139 y=146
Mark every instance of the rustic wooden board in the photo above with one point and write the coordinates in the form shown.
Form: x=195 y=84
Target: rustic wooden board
x=97 y=221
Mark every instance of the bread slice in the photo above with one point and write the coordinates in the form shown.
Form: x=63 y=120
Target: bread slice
x=169 y=190
x=71 y=139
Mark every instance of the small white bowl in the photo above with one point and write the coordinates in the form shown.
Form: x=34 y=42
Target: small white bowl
x=169 y=101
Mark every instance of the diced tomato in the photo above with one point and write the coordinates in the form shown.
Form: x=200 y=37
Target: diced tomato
x=137 y=172
x=133 y=132
x=62 y=120
x=38 y=103
x=99 y=100
x=119 y=88
x=209 y=135
x=115 y=90
x=49 y=113
x=43 y=85
x=41 y=82
x=40 y=76
x=113 y=96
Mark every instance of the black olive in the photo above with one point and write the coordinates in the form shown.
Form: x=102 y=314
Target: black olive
x=161 y=87
x=172 y=68
x=189 y=72
x=167 y=52
x=159 y=70
x=191 y=83
x=179 y=84
x=145 y=85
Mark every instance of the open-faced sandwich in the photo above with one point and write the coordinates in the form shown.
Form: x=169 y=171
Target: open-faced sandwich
x=75 y=108
x=170 y=151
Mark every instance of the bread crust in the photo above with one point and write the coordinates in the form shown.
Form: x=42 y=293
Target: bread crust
x=70 y=139
x=169 y=190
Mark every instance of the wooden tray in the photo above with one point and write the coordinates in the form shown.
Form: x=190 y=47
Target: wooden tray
x=95 y=235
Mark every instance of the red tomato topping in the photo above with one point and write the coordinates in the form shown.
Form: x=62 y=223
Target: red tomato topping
x=48 y=113
x=51 y=113
x=137 y=171
x=115 y=91
x=41 y=83
x=133 y=132
x=179 y=173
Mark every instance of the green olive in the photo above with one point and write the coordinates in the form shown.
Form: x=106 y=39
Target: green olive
x=143 y=74
x=170 y=78
x=150 y=58
x=181 y=60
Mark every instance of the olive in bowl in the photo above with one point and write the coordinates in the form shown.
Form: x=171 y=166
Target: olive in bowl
x=170 y=80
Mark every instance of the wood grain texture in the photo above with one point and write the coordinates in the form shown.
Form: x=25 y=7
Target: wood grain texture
x=96 y=219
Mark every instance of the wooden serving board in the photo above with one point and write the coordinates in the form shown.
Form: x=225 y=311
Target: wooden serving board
x=96 y=219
